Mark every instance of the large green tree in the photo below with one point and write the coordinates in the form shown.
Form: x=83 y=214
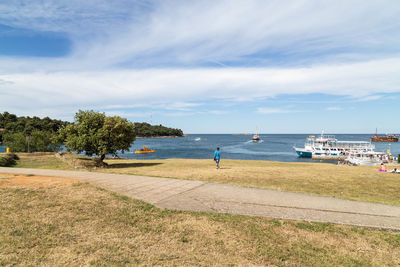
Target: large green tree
x=96 y=134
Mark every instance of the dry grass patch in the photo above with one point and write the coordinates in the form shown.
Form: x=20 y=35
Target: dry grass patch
x=42 y=161
x=357 y=183
x=79 y=224
x=57 y=161
x=17 y=180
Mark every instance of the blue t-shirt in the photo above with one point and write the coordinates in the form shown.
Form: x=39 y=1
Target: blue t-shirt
x=217 y=154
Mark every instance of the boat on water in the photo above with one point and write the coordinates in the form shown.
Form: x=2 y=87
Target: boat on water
x=197 y=139
x=385 y=138
x=256 y=137
x=369 y=158
x=328 y=147
x=144 y=150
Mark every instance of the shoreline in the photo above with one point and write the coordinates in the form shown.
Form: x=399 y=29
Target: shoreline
x=174 y=136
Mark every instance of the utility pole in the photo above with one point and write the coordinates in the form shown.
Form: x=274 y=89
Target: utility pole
x=28 y=139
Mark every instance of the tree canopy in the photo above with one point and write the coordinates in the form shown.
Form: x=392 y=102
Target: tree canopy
x=144 y=129
x=13 y=124
x=96 y=134
x=42 y=132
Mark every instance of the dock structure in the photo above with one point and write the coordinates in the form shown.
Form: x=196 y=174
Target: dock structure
x=329 y=157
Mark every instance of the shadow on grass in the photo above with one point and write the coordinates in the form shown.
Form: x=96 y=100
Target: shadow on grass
x=86 y=159
x=133 y=165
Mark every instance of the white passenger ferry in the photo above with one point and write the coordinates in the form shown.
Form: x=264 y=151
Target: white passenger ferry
x=327 y=146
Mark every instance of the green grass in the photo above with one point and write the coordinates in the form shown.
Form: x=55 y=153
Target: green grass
x=80 y=224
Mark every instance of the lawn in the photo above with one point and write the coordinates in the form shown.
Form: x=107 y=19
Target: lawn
x=52 y=221
x=350 y=182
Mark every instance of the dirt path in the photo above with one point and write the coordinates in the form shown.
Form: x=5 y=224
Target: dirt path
x=215 y=197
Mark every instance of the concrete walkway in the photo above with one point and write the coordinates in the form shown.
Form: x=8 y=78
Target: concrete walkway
x=224 y=198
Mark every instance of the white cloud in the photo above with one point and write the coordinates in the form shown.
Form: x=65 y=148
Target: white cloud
x=75 y=17
x=275 y=110
x=163 y=32
x=182 y=89
x=124 y=114
x=215 y=31
x=112 y=43
x=217 y=112
x=333 y=108
x=271 y=110
x=369 y=98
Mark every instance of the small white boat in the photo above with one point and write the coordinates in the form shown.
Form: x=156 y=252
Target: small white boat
x=369 y=158
x=197 y=139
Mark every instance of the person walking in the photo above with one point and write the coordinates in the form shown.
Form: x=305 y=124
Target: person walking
x=217 y=157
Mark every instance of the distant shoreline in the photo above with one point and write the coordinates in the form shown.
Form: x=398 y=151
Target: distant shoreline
x=174 y=136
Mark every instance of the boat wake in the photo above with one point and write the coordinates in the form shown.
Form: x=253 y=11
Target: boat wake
x=244 y=148
x=254 y=142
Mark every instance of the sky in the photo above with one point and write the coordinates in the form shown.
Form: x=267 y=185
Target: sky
x=206 y=66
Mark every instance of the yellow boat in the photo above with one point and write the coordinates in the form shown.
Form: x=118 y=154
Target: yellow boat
x=144 y=150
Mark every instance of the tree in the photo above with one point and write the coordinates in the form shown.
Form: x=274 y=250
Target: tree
x=16 y=141
x=96 y=134
x=42 y=141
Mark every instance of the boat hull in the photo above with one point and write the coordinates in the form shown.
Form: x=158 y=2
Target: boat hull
x=144 y=152
x=384 y=139
x=303 y=153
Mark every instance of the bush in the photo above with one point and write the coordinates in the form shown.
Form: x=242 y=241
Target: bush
x=7 y=161
x=13 y=156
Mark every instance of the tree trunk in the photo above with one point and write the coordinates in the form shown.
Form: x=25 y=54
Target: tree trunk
x=100 y=163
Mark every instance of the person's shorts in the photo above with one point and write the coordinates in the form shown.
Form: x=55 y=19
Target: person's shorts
x=217 y=161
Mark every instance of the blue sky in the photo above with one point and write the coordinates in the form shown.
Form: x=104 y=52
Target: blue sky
x=206 y=66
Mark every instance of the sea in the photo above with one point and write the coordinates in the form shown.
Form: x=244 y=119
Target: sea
x=272 y=147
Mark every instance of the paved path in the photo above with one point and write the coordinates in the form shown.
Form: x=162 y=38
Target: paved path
x=225 y=198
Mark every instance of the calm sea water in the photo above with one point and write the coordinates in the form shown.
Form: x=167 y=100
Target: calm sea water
x=275 y=147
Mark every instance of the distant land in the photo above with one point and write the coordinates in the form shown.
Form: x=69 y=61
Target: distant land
x=144 y=129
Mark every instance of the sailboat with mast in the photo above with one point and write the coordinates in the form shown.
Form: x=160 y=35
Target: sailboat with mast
x=256 y=137
x=384 y=138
